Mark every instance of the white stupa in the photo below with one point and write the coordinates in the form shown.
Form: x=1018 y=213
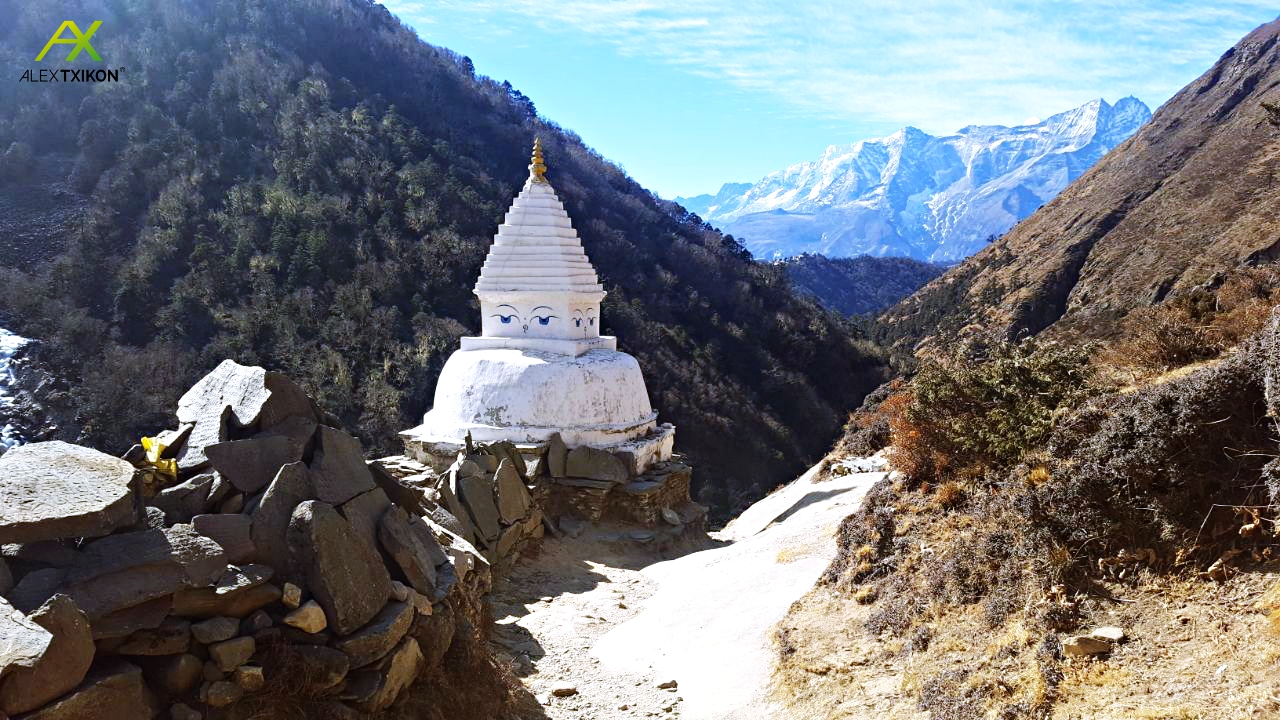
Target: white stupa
x=540 y=365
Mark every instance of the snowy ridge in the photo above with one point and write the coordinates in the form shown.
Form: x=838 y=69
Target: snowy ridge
x=913 y=194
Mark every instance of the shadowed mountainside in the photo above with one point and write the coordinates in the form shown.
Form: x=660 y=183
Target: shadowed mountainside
x=859 y=286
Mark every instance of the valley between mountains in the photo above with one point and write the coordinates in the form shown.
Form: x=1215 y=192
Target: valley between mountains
x=339 y=383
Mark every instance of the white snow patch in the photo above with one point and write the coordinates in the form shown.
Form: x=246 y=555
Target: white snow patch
x=9 y=344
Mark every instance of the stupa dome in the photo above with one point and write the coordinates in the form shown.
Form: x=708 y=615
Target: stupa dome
x=597 y=398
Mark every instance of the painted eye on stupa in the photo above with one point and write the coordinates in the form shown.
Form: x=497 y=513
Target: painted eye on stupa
x=543 y=319
x=577 y=322
x=506 y=319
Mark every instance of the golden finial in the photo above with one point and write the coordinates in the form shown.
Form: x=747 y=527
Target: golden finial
x=537 y=168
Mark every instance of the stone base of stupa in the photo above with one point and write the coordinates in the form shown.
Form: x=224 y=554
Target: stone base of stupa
x=438 y=451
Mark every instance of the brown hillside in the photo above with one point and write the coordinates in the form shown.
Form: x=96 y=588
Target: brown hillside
x=1195 y=193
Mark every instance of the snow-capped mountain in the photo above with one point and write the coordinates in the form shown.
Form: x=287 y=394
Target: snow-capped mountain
x=917 y=195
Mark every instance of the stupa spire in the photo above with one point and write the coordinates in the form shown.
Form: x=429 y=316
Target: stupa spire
x=537 y=289
x=537 y=168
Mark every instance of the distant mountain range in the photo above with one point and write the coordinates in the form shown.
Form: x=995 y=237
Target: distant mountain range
x=915 y=195
x=1190 y=197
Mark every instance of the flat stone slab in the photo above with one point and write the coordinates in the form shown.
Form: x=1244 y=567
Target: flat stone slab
x=35 y=587
x=338 y=470
x=379 y=637
x=291 y=486
x=207 y=603
x=453 y=504
x=476 y=492
x=185 y=500
x=343 y=574
x=115 y=691
x=200 y=557
x=415 y=550
x=53 y=553
x=128 y=569
x=125 y=622
x=596 y=464
x=55 y=490
x=557 y=456
x=239 y=395
x=22 y=641
x=250 y=464
x=376 y=689
x=231 y=531
x=299 y=431
x=513 y=497
x=364 y=512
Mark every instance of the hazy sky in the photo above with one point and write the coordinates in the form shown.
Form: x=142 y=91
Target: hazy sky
x=689 y=94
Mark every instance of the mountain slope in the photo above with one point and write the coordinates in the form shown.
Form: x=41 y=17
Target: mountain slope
x=1192 y=194
x=306 y=185
x=916 y=195
x=862 y=285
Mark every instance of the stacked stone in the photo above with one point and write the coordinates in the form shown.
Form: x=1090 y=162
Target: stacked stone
x=593 y=484
x=487 y=493
x=583 y=484
x=267 y=553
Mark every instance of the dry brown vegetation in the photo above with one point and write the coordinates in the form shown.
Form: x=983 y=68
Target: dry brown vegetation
x=1038 y=495
x=1194 y=326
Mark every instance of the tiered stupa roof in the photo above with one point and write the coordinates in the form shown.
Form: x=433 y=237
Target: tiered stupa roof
x=536 y=248
x=537 y=289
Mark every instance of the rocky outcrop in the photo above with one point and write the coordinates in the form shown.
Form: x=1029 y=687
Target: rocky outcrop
x=60 y=667
x=156 y=586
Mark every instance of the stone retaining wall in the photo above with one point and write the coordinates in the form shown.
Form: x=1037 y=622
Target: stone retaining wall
x=251 y=545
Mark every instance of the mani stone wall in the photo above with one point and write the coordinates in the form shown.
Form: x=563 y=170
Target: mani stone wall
x=251 y=551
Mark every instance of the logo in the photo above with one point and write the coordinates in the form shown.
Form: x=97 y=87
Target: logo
x=81 y=41
x=69 y=34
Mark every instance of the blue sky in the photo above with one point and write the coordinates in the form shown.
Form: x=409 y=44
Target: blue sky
x=688 y=94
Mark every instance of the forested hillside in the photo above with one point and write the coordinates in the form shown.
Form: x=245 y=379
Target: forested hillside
x=306 y=185
x=862 y=285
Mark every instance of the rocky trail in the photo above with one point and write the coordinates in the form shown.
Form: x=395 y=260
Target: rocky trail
x=617 y=623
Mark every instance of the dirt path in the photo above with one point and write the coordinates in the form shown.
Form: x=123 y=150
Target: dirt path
x=550 y=610
x=616 y=613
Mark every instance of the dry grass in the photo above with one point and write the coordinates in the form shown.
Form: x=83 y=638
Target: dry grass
x=949 y=494
x=792 y=554
x=1195 y=651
